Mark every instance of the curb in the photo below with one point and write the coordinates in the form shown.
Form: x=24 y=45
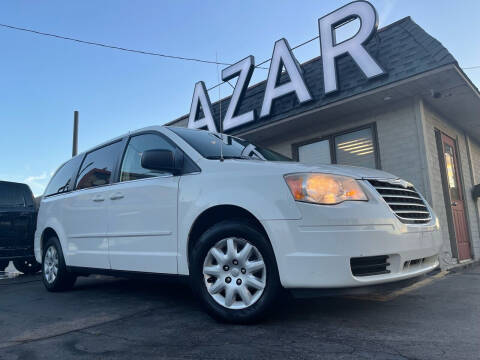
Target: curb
x=463 y=266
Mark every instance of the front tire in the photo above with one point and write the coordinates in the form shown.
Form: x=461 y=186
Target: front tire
x=55 y=275
x=27 y=266
x=234 y=272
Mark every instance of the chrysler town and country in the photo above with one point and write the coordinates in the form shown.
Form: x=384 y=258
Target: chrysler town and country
x=242 y=221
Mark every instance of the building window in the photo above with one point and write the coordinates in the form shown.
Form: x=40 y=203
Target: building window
x=354 y=147
x=315 y=153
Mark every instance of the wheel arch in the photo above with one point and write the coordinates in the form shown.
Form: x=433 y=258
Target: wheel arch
x=47 y=233
x=216 y=214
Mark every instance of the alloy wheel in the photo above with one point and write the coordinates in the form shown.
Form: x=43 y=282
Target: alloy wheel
x=50 y=264
x=235 y=273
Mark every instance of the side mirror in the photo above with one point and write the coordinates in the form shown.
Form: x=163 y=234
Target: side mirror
x=163 y=160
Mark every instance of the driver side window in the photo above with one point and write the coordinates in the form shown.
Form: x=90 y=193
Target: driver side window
x=132 y=161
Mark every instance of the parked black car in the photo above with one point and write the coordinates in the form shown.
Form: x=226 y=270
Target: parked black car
x=18 y=220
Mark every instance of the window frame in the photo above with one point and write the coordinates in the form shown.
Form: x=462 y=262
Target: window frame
x=163 y=136
x=115 y=178
x=115 y=169
x=71 y=186
x=331 y=141
x=124 y=152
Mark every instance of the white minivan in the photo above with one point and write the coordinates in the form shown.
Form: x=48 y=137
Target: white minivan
x=242 y=221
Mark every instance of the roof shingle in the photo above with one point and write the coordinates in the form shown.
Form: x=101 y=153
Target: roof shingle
x=402 y=48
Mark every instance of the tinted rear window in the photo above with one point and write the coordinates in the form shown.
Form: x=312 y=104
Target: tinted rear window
x=62 y=180
x=98 y=166
x=11 y=195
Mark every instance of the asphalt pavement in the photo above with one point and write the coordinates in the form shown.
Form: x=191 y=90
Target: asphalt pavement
x=107 y=318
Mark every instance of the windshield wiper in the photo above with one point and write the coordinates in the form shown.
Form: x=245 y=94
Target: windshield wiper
x=217 y=157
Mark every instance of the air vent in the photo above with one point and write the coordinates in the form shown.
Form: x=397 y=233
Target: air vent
x=418 y=263
x=369 y=265
x=405 y=202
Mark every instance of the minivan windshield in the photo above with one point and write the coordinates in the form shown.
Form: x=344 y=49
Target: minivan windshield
x=208 y=144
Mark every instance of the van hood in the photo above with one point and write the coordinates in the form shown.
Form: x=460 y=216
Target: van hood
x=356 y=172
x=288 y=167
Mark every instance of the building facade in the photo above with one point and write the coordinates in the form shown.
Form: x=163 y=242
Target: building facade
x=420 y=120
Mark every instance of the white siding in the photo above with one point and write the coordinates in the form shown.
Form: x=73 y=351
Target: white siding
x=435 y=121
x=398 y=139
x=408 y=149
x=407 y=146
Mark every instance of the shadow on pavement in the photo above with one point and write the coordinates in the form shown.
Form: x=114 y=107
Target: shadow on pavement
x=105 y=317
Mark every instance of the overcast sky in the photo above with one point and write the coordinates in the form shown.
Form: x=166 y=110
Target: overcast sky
x=44 y=79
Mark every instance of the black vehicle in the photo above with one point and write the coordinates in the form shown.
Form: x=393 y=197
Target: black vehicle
x=18 y=220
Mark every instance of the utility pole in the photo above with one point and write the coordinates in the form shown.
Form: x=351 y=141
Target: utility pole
x=75 y=134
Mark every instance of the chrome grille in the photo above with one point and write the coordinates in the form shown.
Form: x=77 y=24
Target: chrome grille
x=405 y=202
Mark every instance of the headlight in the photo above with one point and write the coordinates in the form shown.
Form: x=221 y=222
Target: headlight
x=324 y=188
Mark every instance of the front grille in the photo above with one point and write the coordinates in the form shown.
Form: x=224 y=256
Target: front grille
x=369 y=265
x=405 y=202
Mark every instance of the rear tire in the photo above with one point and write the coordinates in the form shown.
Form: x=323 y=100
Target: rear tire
x=233 y=286
x=55 y=275
x=27 y=266
x=4 y=264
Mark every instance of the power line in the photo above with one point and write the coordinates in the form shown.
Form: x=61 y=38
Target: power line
x=295 y=47
x=113 y=46
x=258 y=66
x=305 y=43
x=267 y=60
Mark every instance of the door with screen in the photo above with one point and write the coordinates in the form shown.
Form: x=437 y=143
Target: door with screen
x=142 y=212
x=455 y=193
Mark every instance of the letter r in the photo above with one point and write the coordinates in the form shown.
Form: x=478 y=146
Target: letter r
x=330 y=50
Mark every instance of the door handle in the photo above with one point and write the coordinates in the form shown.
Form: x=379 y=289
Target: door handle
x=98 y=198
x=116 y=196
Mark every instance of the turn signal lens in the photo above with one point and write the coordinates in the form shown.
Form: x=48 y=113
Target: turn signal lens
x=324 y=188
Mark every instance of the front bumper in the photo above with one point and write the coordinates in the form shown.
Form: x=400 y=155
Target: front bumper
x=310 y=255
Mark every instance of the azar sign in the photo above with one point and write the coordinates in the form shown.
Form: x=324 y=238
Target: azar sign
x=283 y=57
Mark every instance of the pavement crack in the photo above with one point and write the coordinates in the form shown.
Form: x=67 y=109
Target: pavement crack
x=13 y=343
x=19 y=283
x=93 y=333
